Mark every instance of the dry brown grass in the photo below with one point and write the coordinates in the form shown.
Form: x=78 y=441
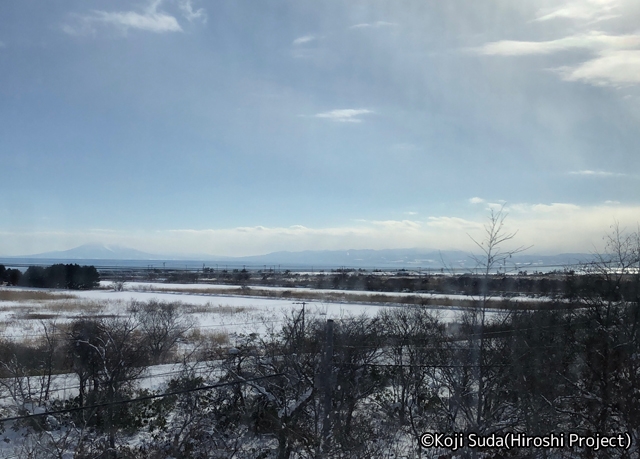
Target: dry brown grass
x=194 y=291
x=369 y=298
x=211 y=308
x=52 y=310
x=84 y=306
x=208 y=344
x=32 y=295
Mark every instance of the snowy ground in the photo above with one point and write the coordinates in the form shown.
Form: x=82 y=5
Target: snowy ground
x=231 y=314
x=211 y=288
x=155 y=377
x=234 y=312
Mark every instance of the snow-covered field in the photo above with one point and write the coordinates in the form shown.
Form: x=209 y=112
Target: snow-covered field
x=231 y=314
x=228 y=311
x=207 y=288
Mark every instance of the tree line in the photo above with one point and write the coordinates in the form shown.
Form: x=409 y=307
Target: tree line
x=65 y=276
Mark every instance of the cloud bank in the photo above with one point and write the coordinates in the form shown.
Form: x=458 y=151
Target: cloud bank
x=615 y=57
x=550 y=228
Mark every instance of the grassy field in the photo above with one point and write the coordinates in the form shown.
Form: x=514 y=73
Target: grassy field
x=371 y=298
x=32 y=295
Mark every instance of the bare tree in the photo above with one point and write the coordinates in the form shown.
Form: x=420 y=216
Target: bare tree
x=162 y=325
x=609 y=340
x=106 y=353
x=415 y=348
x=492 y=253
x=49 y=347
x=356 y=378
x=492 y=256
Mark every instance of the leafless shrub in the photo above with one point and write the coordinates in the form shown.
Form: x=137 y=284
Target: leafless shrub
x=117 y=286
x=162 y=325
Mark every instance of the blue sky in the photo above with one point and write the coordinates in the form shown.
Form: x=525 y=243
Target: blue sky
x=243 y=127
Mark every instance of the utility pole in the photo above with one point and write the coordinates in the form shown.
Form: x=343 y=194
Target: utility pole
x=303 y=303
x=326 y=384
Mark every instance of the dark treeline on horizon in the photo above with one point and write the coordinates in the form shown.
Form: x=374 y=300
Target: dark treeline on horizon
x=69 y=276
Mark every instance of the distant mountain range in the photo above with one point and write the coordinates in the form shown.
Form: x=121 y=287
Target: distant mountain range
x=96 y=252
x=395 y=258
x=409 y=258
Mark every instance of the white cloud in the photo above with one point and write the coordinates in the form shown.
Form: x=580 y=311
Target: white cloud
x=497 y=206
x=588 y=10
x=190 y=14
x=349 y=115
x=559 y=208
x=596 y=41
x=376 y=24
x=476 y=200
x=611 y=68
x=616 y=60
x=81 y=26
x=150 y=20
x=554 y=227
x=304 y=39
x=453 y=223
x=396 y=224
x=590 y=173
x=259 y=239
x=564 y=227
x=616 y=56
x=556 y=207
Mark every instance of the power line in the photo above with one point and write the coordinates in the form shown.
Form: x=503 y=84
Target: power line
x=139 y=399
x=394 y=365
x=73 y=375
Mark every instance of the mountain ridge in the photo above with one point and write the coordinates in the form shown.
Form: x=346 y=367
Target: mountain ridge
x=370 y=258
x=94 y=252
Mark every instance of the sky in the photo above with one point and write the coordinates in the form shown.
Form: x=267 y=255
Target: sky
x=234 y=127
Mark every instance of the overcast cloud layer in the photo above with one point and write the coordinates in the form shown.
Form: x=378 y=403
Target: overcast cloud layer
x=240 y=128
